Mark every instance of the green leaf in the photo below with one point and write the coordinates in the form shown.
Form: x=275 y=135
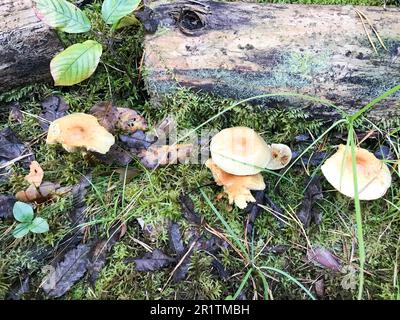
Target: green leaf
x=113 y=10
x=39 y=225
x=23 y=212
x=126 y=21
x=76 y=63
x=63 y=15
x=21 y=230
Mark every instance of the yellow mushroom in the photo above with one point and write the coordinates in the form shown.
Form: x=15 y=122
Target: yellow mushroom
x=80 y=130
x=373 y=176
x=240 y=151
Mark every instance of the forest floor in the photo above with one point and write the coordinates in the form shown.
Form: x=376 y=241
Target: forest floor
x=148 y=201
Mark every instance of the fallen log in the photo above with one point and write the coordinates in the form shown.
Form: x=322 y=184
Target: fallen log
x=26 y=45
x=240 y=50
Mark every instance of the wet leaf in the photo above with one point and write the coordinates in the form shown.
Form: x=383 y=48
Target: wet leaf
x=39 y=225
x=188 y=210
x=254 y=210
x=79 y=191
x=106 y=113
x=54 y=107
x=308 y=211
x=68 y=271
x=112 y=11
x=130 y=120
x=116 y=155
x=6 y=206
x=322 y=257
x=36 y=174
x=10 y=150
x=138 y=141
x=156 y=156
x=183 y=269
x=151 y=261
x=175 y=239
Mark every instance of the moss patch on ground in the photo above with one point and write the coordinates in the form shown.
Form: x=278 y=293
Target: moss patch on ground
x=153 y=196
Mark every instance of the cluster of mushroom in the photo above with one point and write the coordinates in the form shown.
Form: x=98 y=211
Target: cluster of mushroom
x=238 y=155
x=80 y=131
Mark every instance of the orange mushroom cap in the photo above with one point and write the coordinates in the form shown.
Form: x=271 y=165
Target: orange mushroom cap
x=80 y=130
x=373 y=176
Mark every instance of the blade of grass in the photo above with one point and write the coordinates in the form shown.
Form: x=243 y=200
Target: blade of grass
x=285 y=274
x=360 y=237
x=368 y=106
x=231 y=232
x=242 y=284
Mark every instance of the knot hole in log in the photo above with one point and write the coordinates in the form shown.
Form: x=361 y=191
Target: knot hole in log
x=192 y=19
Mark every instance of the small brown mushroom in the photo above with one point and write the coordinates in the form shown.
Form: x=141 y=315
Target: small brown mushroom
x=373 y=176
x=80 y=130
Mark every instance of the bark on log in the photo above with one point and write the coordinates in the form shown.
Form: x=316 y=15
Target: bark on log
x=239 y=50
x=26 y=45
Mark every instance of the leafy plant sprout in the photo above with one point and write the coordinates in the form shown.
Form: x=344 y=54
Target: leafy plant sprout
x=23 y=213
x=79 y=61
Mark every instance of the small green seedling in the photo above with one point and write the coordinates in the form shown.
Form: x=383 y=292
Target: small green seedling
x=24 y=214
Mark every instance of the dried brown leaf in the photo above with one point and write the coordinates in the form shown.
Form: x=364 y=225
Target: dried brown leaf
x=106 y=113
x=162 y=155
x=130 y=121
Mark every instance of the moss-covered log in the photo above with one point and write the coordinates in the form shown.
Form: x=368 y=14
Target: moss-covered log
x=239 y=50
x=26 y=45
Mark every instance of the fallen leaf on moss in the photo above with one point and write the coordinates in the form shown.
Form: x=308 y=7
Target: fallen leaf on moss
x=175 y=239
x=162 y=155
x=116 y=155
x=188 y=210
x=236 y=187
x=106 y=113
x=322 y=257
x=54 y=107
x=138 y=141
x=68 y=271
x=308 y=211
x=151 y=261
x=130 y=121
x=112 y=117
x=36 y=174
x=79 y=191
x=254 y=210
